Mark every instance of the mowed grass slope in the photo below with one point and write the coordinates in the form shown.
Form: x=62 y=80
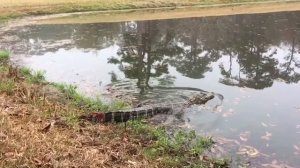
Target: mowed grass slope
x=15 y=8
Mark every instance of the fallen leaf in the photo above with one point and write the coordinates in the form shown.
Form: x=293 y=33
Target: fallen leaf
x=39 y=120
x=205 y=158
x=47 y=127
x=218 y=109
x=297 y=148
x=264 y=124
x=9 y=154
x=3 y=136
x=227 y=114
x=244 y=136
x=275 y=164
x=272 y=125
x=267 y=136
x=233 y=129
x=125 y=139
x=248 y=150
x=131 y=162
x=38 y=161
x=236 y=100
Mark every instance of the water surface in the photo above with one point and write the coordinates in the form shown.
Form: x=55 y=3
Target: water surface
x=252 y=60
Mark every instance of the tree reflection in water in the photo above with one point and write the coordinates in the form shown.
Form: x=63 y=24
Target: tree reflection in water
x=246 y=47
x=191 y=45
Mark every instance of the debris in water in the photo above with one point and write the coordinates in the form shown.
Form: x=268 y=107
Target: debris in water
x=249 y=151
x=236 y=101
x=264 y=124
x=267 y=137
x=244 y=136
x=233 y=129
x=218 y=109
x=230 y=112
x=275 y=164
x=297 y=148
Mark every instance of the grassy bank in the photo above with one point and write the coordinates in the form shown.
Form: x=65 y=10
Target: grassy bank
x=156 y=14
x=39 y=127
x=16 y=8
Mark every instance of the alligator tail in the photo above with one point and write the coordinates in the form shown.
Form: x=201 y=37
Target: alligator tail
x=124 y=116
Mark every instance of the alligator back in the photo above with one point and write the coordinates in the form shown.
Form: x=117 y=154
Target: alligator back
x=146 y=111
x=123 y=116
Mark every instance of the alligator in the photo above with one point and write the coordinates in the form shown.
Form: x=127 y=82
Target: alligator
x=144 y=111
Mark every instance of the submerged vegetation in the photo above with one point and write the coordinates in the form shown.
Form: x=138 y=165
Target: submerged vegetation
x=40 y=127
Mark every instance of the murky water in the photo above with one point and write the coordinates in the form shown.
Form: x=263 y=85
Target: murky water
x=252 y=60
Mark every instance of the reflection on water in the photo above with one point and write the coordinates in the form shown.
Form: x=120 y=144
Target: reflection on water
x=252 y=60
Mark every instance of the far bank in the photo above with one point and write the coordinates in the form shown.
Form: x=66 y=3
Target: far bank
x=163 y=9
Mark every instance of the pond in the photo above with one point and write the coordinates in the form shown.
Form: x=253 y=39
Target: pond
x=253 y=61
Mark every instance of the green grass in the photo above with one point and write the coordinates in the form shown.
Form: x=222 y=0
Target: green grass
x=71 y=93
x=13 y=9
x=3 y=68
x=178 y=149
x=25 y=71
x=88 y=103
x=36 y=77
x=4 y=19
x=4 y=56
x=7 y=86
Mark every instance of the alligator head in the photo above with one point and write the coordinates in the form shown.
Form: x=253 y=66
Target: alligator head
x=200 y=99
